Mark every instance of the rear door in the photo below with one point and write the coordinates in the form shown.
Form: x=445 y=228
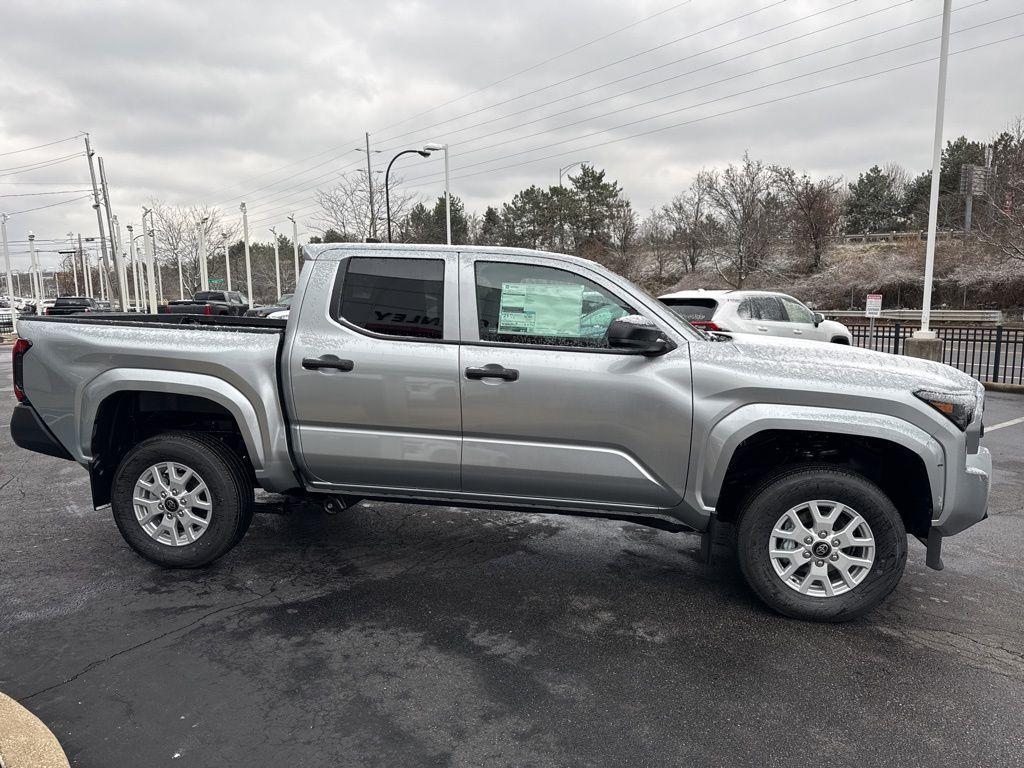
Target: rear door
x=373 y=372
x=549 y=412
x=765 y=315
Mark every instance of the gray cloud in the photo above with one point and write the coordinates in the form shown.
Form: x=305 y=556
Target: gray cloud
x=187 y=101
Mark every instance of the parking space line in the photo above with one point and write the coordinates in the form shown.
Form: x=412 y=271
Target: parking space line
x=1009 y=423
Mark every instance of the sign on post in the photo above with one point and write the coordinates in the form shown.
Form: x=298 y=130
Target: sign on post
x=872 y=309
x=873 y=306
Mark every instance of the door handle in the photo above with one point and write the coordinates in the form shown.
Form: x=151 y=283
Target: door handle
x=320 y=363
x=798 y=332
x=492 y=371
x=762 y=329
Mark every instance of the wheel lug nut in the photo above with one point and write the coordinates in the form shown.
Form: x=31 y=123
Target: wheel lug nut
x=163 y=493
x=160 y=505
x=834 y=557
x=835 y=542
x=823 y=534
x=819 y=563
x=809 y=540
x=807 y=555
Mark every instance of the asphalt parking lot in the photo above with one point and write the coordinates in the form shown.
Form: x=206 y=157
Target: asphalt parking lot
x=399 y=635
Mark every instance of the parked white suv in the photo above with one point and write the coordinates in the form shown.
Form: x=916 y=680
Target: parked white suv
x=760 y=313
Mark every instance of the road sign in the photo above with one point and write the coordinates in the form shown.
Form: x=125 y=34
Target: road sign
x=973 y=180
x=873 y=305
x=216 y=280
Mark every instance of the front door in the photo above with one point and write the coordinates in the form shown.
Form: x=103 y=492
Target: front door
x=549 y=412
x=374 y=373
x=801 y=321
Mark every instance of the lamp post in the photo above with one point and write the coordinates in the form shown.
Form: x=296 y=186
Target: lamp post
x=924 y=342
x=277 y=263
x=447 y=187
x=564 y=168
x=7 y=262
x=227 y=258
x=387 y=174
x=149 y=249
x=37 y=285
x=295 y=245
x=204 y=276
x=248 y=262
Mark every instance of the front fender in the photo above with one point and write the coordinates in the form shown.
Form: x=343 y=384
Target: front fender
x=727 y=434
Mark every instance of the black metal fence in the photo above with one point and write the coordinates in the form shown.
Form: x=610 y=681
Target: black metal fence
x=986 y=353
x=6 y=324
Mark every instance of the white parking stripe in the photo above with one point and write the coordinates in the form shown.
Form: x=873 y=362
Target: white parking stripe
x=1009 y=423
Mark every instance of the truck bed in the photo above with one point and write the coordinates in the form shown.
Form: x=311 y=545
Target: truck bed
x=76 y=362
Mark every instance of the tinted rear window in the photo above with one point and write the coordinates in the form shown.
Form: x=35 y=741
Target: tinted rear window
x=395 y=297
x=692 y=310
x=70 y=301
x=209 y=296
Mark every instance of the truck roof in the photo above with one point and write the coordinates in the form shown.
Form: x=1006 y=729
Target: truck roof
x=318 y=251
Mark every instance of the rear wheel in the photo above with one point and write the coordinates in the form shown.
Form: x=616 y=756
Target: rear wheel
x=821 y=543
x=182 y=500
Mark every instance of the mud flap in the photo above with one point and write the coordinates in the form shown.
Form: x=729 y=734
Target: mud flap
x=933 y=557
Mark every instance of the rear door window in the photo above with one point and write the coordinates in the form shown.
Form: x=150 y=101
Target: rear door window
x=763 y=308
x=392 y=297
x=692 y=310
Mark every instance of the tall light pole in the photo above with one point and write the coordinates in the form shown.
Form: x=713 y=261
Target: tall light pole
x=34 y=271
x=929 y=345
x=387 y=174
x=295 y=245
x=7 y=262
x=133 y=257
x=118 y=264
x=149 y=249
x=447 y=188
x=564 y=168
x=204 y=275
x=96 y=206
x=227 y=258
x=248 y=261
x=277 y=263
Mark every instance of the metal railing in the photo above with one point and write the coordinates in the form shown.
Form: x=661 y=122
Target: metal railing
x=990 y=354
x=6 y=322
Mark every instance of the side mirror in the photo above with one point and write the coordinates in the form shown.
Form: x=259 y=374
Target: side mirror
x=818 y=319
x=639 y=335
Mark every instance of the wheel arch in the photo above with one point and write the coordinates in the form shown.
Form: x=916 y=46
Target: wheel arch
x=906 y=462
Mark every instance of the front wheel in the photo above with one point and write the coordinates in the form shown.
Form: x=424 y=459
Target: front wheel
x=821 y=543
x=181 y=500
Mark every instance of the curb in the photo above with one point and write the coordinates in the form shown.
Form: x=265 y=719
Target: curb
x=998 y=386
x=24 y=741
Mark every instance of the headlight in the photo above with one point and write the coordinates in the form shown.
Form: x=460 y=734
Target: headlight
x=958 y=407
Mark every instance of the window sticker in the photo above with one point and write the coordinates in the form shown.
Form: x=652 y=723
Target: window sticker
x=540 y=309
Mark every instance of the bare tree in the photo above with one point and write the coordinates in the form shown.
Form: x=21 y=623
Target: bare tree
x=620 y=254
x=346 y=207
x=656 y=239
x=689 y=216
x=745 y=203
x=177 y=230
x=1001 y=225
x=813 y=212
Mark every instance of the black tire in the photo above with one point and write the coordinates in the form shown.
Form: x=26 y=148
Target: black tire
x=790 y=488
x=230 y=489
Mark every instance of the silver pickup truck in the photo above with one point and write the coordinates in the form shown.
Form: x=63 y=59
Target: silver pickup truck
x=513 y=379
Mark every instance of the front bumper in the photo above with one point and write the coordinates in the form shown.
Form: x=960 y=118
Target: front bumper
x=970 y=503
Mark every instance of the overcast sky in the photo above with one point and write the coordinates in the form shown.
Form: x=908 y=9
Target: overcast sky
x=216 y=102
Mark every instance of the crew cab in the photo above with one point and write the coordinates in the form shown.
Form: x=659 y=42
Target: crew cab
x=511 y=379
x=231 y=303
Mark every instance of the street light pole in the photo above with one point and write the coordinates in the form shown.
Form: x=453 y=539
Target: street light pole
x=295 y=246
x=152 y=270
x=204 y=275
x=387 y=186
x=227 y=258
x=34 y=271
x=7 y=261
x=248 y=261
x=277 y=263
x=447 y=188
x=369 y=181
x=933 y=204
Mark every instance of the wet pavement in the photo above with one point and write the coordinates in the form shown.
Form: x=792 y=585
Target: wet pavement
x=404 y=635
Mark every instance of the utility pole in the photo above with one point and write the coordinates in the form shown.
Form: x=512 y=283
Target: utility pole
x=204 y=275
x=96 y=205
x=447 y=197
x=277 y=263
x=74 y=261
x=118 y=263
x=135 y=266
x=369 y=182
x=33 y=271
x=81 y=260
x=295 y=246
x=248 y=261
x=924 y=342
x=7 y=261
x=181 y=276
